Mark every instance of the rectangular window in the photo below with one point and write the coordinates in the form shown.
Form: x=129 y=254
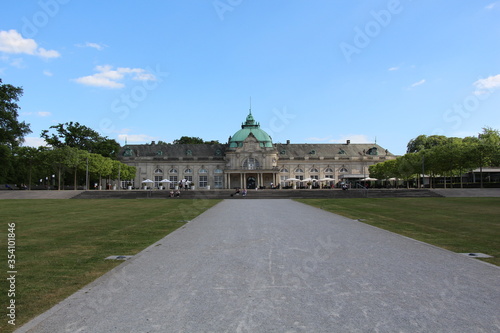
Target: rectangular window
x=218 y=182
x=174 y=181
x=157 y=181
x=203 y=181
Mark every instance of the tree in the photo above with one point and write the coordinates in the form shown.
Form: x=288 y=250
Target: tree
x=422 y=142
x=188 y=140
x=12 y=131
x=194 y=140
x=82 y=137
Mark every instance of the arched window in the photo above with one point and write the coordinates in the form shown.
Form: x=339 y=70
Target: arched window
x=172 y=170
x=299 y=170
x=158 y=171
x=343 y=170
x=313 y=170
x=218 y=171
x=251 y=164
x=284 y=170
x=328 y=170
x=203 y=171
x=188 y=171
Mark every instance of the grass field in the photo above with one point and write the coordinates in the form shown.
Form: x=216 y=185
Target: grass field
x=61 y=244
x=461 y=225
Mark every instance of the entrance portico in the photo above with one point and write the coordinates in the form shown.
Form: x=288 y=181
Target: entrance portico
x=250 y=179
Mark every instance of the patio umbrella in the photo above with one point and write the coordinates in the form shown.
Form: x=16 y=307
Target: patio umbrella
x=165 y=181
x=369 y=179
x=292 y=180
x=147 y=181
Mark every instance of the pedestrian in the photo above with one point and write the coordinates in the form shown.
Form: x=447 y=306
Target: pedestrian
x=244 y=192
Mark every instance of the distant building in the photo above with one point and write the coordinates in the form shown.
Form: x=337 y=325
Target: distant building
x=250 y=159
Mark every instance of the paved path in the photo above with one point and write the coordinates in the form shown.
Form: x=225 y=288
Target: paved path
x=282 y=266
x=39 y=194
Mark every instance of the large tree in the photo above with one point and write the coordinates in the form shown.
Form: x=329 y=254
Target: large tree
x=82 y=137
x=12 y=131
x=193 y=140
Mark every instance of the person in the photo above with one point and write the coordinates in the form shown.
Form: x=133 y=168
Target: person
x=177 y=193
x=171 y=194
x=244 y=192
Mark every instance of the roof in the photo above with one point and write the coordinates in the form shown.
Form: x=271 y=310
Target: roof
x=247 y=128
x=330 y=150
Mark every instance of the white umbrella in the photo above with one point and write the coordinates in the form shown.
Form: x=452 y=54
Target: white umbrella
x=369 y=179
x=165 y=181
x=292 y=180
x=148 y=181
x=307 y=180
x=326 y=179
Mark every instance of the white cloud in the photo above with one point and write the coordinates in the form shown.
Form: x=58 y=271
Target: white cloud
x=393 y=68
x=43 y=113
x=109 y=77
x=96 y=46
x=136 y=138
x=12 y=42
x=489 y=84
x=491 y=6
x=34 y=142
x=416 y=84
x=47 y=73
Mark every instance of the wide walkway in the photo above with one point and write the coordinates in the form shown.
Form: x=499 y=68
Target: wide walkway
x=282 y=266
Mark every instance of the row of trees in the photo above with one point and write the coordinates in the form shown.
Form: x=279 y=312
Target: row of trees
x=441 y=156
x=65 y=166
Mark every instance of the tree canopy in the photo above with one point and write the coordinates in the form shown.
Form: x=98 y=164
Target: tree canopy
x=82 y=137
x=193 y=140
x=12 y=131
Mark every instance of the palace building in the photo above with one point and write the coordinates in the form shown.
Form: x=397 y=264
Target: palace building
x=250 y=159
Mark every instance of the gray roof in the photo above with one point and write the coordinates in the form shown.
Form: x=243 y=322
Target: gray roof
x=329 y=150
x=215 y=151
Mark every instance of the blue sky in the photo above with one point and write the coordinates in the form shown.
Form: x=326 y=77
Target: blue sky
x=315 y=71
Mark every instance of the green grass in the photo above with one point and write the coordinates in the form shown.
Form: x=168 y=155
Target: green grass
x=61 y=244
x=460 y=225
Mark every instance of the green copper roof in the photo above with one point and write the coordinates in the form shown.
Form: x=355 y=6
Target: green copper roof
x=247 y=128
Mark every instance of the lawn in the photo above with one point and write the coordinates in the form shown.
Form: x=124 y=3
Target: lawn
x=461 y=225
x=61 y=244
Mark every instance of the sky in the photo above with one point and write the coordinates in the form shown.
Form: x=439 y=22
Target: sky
x=310 y=71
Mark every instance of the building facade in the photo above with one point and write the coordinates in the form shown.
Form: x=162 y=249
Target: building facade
x=250 y=159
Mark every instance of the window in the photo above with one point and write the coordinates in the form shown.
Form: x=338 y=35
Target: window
x=283 y=152
x=189 y=152
x=174 y=181
x=312 y=152
x=172 y=170
x=299 y=170
x=342 y=152
x=218 y=152
x=328 y=170
x=157 y=181
x=188 y=171
x=251 y=164
x=284 y=170
x=314 y=170
x=203 y=181
x=159 y=153
x=218 y=181
x=218 y=171
x=157 y=171
x=343 y=169
x=203 y=171
x=189 y=178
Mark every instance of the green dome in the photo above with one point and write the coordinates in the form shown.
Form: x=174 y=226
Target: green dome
x=247 y=128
